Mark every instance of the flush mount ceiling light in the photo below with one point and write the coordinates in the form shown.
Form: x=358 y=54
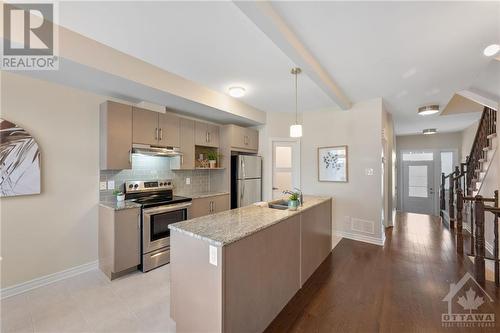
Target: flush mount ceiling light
x=237 y=92
x=296 y=129
x=491 y=50
x=428 y=110
x=429 y=131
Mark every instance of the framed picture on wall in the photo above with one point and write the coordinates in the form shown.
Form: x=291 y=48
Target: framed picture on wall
x=332 y=164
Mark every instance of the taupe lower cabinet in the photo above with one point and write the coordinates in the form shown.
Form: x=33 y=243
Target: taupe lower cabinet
x=242 y=138
x=252 y=279
x=209 y=205
x=115 y=136
x=154 y=128
x=206 y=134
x=119 y=240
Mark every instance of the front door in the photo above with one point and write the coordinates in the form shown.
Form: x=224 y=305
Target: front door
x=418 y=187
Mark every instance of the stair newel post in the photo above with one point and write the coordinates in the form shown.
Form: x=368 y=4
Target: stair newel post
x=495 y=246
x=460 y=239
x=479 y=268
x=443 y=201
x=451 y=204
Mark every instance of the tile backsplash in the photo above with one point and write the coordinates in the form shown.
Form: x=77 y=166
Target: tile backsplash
x=155 y=168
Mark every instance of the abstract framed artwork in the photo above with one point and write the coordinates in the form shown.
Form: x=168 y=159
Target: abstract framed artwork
x=19 y=161
x=332 y=164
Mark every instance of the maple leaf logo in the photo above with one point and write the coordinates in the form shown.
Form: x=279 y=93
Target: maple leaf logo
x=470 y=301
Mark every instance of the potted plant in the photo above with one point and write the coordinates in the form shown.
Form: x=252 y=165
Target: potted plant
x=120 y=196
x=293 y=201
x=212 y=158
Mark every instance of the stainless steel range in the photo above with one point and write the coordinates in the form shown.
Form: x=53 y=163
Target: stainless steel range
x=159 y=209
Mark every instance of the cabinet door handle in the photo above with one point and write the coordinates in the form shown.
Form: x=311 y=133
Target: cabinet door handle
x=206 y=136
x=209 y=137
x=161 y=134
x=130 y=156
x=139 y=221
x=182 y=159
x=213 y=207
x=156 y=133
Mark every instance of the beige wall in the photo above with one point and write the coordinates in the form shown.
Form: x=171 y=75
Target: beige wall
x=389 y=150
x=451 y=140
x=468 y=136
x=56 y=230
x=360 y=128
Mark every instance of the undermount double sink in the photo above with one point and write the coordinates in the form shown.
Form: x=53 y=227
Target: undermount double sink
x=279 y=204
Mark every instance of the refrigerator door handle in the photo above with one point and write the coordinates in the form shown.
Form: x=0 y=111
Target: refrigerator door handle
x=243 y=168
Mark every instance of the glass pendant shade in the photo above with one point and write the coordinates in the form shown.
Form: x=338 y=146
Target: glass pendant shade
x=296 y=131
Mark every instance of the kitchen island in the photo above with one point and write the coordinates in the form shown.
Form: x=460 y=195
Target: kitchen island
x=235 y=271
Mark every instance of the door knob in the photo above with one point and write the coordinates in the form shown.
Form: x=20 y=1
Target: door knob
x=275 y=188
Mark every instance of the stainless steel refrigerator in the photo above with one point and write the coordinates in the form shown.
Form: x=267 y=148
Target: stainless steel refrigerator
x=246 y=180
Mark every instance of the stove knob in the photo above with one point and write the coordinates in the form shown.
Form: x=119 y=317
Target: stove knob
x=136 y=185
x=130 y=186
x=161 y=184
x=169 y=183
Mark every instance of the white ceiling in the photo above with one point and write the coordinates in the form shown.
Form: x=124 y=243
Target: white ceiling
x=408 y=53
x=212 y=43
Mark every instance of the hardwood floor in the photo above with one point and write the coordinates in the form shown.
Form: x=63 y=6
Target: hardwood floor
x=395 y=288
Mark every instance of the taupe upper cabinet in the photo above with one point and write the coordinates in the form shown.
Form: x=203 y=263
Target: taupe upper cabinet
x=242 y=138
x=145 y=126
x=115 y=136
x=206 y=134
x=168 y=125
x=154 y=128
x=187 y=143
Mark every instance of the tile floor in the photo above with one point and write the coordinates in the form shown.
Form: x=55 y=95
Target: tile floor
x=89 y=302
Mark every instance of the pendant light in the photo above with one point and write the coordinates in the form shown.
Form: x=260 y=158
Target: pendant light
x=296 y=129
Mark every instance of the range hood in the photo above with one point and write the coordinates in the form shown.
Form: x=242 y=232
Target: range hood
x=155 y=151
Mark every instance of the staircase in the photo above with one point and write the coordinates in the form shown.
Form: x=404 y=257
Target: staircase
x=463 y=201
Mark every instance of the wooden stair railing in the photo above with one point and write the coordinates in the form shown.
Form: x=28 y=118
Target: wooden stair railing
x=462 y=188
x=480 y=248
x=486 y=128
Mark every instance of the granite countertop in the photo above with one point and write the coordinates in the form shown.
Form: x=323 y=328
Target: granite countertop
x=229 y=226
x=115 y=205
x=201 y=194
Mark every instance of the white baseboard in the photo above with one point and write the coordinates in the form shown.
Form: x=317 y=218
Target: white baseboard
x=47 y=279
x=361 y=238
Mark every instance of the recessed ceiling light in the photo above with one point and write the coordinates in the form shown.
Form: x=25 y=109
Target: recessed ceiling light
x=429 y=131
x=491 y=50
x=428 y=110
x=237 y=91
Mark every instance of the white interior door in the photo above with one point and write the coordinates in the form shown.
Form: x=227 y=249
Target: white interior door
x=286 y=167
x=418 y=187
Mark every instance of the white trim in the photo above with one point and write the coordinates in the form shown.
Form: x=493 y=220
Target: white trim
x=362 y=238
x=47 y=279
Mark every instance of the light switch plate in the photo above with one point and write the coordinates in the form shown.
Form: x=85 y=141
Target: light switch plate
x=102 y=186
x=369 y=171
x=111 y=184
x=188 y=181
x=213 y=255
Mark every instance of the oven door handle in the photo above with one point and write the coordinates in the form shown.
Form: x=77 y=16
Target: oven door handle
x=166 y=208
